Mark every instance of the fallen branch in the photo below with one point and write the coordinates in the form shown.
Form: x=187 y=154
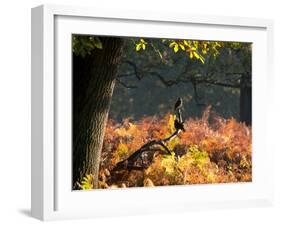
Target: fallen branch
x=142 y=158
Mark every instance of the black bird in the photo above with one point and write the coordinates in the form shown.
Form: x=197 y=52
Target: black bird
x=178 y=104
x=178 y=125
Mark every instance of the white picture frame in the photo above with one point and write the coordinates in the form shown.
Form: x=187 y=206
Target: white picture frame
x=52 y=197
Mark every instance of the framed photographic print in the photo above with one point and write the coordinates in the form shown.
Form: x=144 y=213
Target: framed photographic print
x=137 y=113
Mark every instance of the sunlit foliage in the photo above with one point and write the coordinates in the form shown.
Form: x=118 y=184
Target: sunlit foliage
x=87 y=182
x=84 y=45
x=194 y=49
x=211 y=150
x=141 y=45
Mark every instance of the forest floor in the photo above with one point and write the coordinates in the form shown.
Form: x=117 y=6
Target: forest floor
x=210 y=150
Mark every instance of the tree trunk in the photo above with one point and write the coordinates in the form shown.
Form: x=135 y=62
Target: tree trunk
x=246 y=100
x=93 y=83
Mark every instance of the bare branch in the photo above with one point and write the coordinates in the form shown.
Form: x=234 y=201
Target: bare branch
x=125 y=75
x=208 y=79
x=134 y=66
x=131 y=162
x=125 y=85
x=237 y=86
x=167 y=83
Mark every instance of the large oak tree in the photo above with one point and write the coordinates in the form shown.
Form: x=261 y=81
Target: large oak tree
x=94 y=77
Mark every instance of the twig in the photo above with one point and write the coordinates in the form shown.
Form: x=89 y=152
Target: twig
x=125 y=85
x=134 y=66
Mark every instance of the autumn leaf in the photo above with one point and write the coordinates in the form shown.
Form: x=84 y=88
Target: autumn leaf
x=138 y=47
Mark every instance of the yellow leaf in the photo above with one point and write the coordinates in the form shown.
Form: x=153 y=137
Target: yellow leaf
x=202 y=59
x=87 y=182
x=176 y=48
x=182 y=46
x=169 y=163
x=143 y=46
x=122 y=150
x=138 y=47
x=196 y=55
x=195 y=43
x=171 y=123
x=172 y=44
x=186 y=43
x=218 y=44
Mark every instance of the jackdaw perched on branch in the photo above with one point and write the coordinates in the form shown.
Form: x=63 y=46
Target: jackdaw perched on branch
x=178 y=104
x=177 y=108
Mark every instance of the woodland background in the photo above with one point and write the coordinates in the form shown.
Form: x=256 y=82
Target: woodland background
x=149 y=83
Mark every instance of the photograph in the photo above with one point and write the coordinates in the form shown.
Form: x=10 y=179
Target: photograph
x=151 y=111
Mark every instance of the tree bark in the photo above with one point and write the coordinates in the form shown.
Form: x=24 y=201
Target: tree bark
x=93 y=83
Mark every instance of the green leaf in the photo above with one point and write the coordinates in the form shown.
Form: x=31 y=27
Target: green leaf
x=97 y=43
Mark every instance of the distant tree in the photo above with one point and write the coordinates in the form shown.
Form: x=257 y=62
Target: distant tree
x=225 y=64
